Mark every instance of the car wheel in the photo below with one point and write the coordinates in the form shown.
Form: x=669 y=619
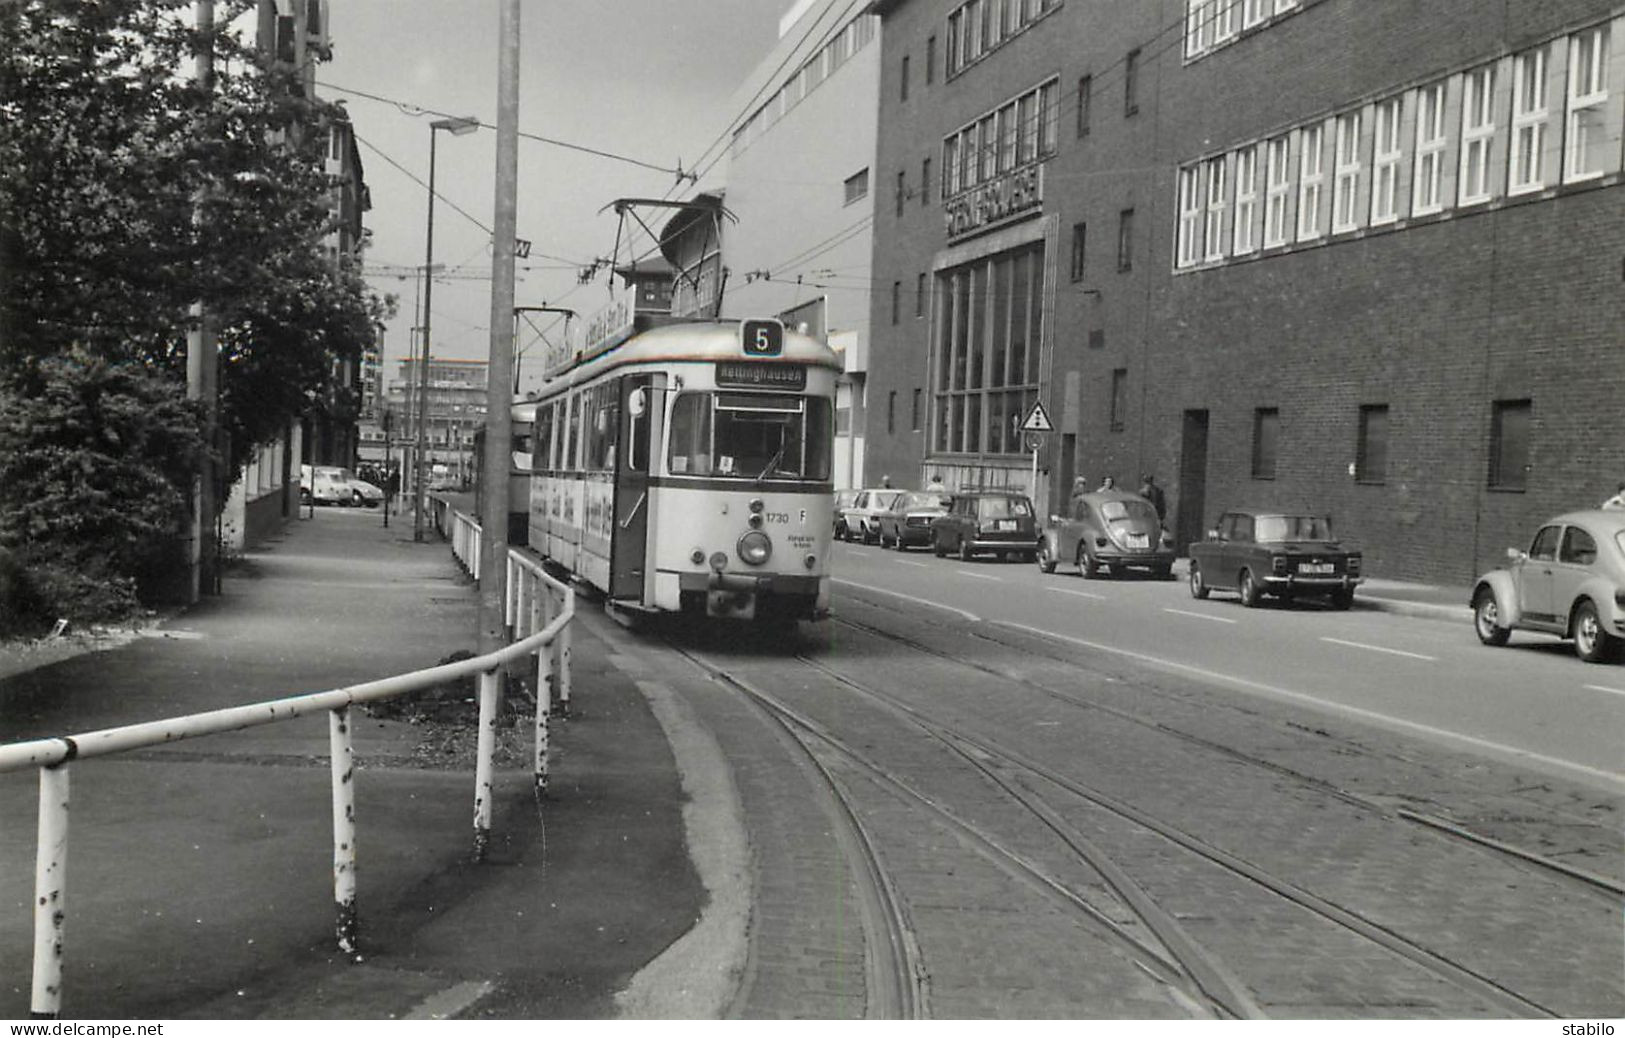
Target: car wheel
x=869 y=538
x=1247 y=587
x=937 y=547
x=1199 y=588
x=1487 y=619
x=1594 y=644
x=964 y=550
x=1343 y=598
x=1045 y=563
x=1087 y=566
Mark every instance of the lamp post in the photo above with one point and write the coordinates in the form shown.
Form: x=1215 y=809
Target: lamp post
x=457 y=127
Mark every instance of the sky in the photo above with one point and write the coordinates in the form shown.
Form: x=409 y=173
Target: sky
x=646 y=79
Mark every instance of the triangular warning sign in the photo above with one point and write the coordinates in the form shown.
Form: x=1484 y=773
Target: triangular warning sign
x=1037 y=420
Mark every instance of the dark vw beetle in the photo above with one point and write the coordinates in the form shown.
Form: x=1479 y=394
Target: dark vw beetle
x=1259 y=553
x=1110 y=528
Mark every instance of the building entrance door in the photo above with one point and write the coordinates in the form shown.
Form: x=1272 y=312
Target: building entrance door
x=1192 y=479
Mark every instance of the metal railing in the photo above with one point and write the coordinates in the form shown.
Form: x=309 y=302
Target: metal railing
x=540 y=612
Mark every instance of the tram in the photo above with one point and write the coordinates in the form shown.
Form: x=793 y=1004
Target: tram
x=685 y=466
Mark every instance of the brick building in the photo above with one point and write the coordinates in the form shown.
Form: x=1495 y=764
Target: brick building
x=1360 y=258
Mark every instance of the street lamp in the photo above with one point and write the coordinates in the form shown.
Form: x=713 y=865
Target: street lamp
x=457 y=127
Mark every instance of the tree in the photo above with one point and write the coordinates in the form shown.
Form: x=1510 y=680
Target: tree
x=127 y=193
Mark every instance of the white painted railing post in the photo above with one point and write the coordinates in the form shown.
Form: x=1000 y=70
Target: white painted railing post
x=544 y=706
x=485 y=749
x=50 y=891
x=563 y=642
x=342 y=757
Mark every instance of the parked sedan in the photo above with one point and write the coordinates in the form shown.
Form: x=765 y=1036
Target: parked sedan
x=1571 y=583
x=908 y=520
x=1000 y=522
x=843 y=501
x=858 y=518
x=1109 y=528
x=1288 y=555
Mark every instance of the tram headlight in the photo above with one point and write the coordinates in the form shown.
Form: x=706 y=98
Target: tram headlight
x=755 y=547
x=810 y=561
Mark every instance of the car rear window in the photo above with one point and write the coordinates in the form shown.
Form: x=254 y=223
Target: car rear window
x=1116 y=511
x=1005 y=507
x=926 y=501
x=1293 y=528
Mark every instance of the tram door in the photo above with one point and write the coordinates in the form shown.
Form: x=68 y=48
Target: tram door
x=640 y=417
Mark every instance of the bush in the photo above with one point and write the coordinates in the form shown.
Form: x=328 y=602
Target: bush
x=22 y=610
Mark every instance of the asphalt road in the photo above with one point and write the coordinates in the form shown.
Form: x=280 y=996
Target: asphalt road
x=1532 y=702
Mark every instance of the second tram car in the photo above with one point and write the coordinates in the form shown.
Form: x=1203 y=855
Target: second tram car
x=687 y=467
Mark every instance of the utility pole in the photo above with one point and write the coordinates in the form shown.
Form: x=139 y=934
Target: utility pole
x=203 y=367
x=499 y=373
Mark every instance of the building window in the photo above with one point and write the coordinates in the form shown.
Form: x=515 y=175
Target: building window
x=1021 y=131
x=925 y=181
x=1198 y=26
x=1477 y=133
x=1226 y=20
x=902 y=190
x=1246 y=198
x=1125 y=240
x=1509 y=444
x=1131 y=83
x=1311 y=178
x=1254 y=11
x=1218 y=200
x=1190 y=217
x=891 y=412
x=1346 y=168
x=857 y=186
x=914 y=413
x=1085 y=86
x=1277 y=190
x=902 y=80
x=1266 y=430
x=1588 y=138
x=1427 y=192
x=919 y=295
x=930 y=59
x=1119 y=405
x=1079 y=240
x=1371 y=451
x=896 y=300
x=1385 y=162
x=1528 y=121
x=987 y=337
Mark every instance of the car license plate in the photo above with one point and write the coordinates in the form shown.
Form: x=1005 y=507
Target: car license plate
x=1007 y=524
x=1135 y=540
x=1315 y=567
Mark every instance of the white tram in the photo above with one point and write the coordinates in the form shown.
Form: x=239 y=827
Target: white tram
x=687 y=468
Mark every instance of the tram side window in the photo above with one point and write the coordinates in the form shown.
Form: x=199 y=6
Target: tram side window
x=602 y=418
x=573 y=420
x=690 y=450
x=542 y=438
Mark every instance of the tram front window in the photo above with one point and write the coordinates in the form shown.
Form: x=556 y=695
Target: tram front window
x=751 y=436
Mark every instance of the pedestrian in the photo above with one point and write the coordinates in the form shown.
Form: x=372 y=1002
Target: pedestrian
x=885 y=481
x=936 y=484
x=1153 y=493
x=1617 y=501
x=1107 y=483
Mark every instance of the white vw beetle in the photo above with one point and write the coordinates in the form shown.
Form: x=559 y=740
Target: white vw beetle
x=1571 y=583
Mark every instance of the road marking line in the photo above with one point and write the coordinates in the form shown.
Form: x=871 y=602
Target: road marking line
x=1200 y=616
x=972 y=617
x=911 y=562
x=1379 y=648
x=1613 y=779
x=978 y=576
x=1605 y=688
x=1080 y=594
x=451 y=1002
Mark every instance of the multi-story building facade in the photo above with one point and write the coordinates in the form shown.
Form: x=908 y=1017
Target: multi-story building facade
x=800 y=194
x=456 y=411
x=1312 y=254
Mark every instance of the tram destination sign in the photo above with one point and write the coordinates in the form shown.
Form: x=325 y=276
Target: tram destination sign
x=754 y=374
x=1017 y=193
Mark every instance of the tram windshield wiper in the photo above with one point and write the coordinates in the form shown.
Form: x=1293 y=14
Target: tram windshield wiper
x=772 y=463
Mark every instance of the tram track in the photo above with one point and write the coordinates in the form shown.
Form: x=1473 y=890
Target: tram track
x=1176 y=962
x=1446 y=829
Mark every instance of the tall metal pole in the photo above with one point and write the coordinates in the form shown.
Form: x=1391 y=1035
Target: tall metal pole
x=202 y=365
x=499 y=375
x=423 y=363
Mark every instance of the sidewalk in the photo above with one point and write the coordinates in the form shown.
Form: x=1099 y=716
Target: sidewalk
x=199 y=873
